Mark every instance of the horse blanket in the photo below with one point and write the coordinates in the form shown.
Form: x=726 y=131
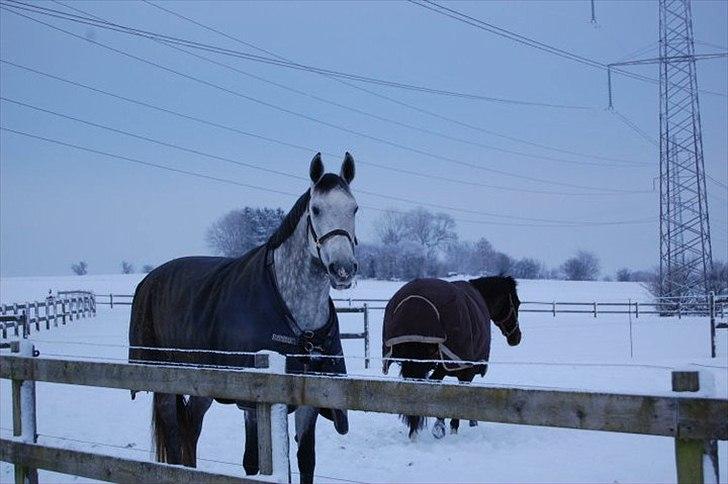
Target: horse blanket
x=226 y=304
x=452 y=315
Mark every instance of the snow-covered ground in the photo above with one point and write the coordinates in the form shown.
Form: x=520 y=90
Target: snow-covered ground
x=568 y=351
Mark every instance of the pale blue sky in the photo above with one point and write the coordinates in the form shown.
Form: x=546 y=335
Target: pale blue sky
x=59 y=205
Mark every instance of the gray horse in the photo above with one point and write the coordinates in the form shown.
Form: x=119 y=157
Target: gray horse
x=275 y=297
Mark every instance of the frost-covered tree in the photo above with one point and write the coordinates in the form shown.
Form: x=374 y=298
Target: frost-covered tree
x=584 y=266
x=528 y=268
x=238 y=231
x=147 y=268
x=126 y=267
x=80 y=268
x=624 y=275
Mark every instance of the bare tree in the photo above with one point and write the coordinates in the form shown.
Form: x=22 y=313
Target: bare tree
x=238 y=231
x=624 y=275
x=431 y=231
x=147 y=268
x=584 y=266
x=718 y=278
x=126 y=267
x=390 y=228
x=528 y=268
x=80 y=268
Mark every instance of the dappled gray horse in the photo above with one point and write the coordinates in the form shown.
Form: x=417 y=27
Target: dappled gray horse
x=275 y=297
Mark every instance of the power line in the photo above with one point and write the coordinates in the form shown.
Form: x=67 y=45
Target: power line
x=307 y=149
x=508 y=34
x=326 y=123
x=620 y=164
x=268 y=60
x=382 y=96
x=282 y=173
x=228 y=181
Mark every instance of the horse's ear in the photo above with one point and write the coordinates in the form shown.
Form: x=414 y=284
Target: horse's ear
x=316 y=171
x=347 y=168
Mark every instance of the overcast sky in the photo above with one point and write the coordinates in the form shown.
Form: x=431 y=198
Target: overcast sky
x=59 y=204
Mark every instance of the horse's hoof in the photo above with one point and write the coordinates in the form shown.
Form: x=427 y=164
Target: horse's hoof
x=453 y=431
x=438 y=430
x=473 y=423
x=413 y=437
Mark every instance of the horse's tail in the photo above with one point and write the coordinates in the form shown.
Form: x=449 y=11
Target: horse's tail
x=159 y=439
x=185 y=431
x=414 y=369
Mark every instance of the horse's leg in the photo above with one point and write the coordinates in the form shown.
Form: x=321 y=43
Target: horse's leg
x=306 y=438
x=438 y=430
x=465 y=376
x=250 y=458
x=165 y=428
x=196 y=409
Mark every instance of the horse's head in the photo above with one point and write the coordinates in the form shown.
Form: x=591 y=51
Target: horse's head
x=501 y=297
x=331 y=213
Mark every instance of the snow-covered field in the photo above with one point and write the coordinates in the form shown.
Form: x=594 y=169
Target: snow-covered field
x=569 y=351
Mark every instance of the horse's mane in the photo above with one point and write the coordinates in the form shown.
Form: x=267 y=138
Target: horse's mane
x=494 y=285
x=288 y=226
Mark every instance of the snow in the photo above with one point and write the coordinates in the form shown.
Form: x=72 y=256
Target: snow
x=574 y=351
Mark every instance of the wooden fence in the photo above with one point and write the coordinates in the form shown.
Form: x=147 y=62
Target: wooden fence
x=694 y=423
x=18 y=319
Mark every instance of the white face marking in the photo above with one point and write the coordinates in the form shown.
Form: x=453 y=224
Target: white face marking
x=335 y=209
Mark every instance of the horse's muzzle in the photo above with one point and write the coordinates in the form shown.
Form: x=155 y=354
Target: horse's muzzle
x=514 y=338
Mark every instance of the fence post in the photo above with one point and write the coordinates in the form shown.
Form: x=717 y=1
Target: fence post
x=366 y=335
x=693 y=457
x=636 y=309
x=24 y=422
x=711 y=309
x=281 y=464
x=679 y=309
x=111 y=301
x=273 y=458
x=595 y=309
x=553 y=308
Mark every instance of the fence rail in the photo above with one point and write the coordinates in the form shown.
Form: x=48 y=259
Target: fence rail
x=693 y=422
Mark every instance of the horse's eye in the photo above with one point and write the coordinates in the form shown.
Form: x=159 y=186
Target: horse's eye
x=315 y=210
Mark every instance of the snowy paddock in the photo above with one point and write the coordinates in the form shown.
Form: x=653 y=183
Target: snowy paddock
x=573 y=351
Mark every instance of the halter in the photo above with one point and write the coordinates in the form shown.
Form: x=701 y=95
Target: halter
x=319 y=241
x=507 y=318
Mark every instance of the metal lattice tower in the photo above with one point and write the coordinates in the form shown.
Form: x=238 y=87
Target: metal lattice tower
x=685 y=250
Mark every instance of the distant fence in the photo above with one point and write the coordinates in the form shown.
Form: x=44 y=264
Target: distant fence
x=694 y=423
x=18 y=319
x=668 y=306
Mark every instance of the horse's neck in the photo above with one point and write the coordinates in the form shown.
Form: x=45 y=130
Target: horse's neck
x=303 y=283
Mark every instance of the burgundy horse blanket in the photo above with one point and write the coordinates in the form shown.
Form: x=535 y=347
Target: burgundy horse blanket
x=452 y=315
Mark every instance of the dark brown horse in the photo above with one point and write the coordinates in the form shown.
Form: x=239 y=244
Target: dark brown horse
x=432 y=319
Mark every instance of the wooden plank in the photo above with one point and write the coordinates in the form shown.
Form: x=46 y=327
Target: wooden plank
x=689 y=458
x=699 y=418
x=104 y=467
x=265 y=444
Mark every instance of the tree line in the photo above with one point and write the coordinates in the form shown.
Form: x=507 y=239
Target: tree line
x=420 y=243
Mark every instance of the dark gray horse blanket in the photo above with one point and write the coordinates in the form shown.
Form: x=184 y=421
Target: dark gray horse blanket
x=227 y=304
x=452 y=315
